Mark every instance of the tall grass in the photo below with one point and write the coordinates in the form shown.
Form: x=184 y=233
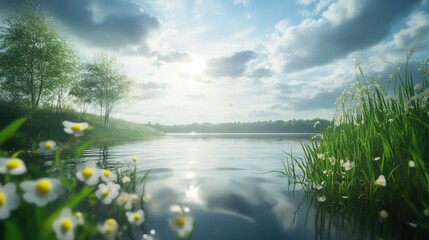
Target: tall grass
x=378 y=129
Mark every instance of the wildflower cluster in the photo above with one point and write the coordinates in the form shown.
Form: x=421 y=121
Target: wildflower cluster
x=119 y=189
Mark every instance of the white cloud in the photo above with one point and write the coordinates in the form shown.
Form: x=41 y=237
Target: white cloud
x=416 y=33
x=242 y=2
x=346 y=26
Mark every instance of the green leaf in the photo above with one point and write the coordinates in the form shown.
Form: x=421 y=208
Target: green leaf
x=81 y=148
x=10 y=130
x=12 y=231
x=83 y=193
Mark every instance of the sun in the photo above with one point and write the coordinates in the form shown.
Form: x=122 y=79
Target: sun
x=195 y=67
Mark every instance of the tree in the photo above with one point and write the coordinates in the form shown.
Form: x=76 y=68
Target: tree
x=103 y=84
x=35 y=61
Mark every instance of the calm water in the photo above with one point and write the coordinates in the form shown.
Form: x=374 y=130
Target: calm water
x=223 y=179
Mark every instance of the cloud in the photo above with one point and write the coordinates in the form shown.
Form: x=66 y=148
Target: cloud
x=113 y=24
x=150 y=90
x=416 y=33
x=242 y=2
x=344 y=27
x=195 y=96
x=263 y=114
x=261 y=72
x=232 y=66
x=172 y=56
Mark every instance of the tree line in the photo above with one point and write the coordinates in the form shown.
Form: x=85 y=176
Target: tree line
x=40 y=68
x=292 y=126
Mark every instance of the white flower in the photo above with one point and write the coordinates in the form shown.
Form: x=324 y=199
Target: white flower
x=381 y=181
x=41 y=191
x=126 y=180
x=124 y=199
x=411 y=164
x=348 y=165
x=321 y=198
x=64 y=225
x=383 y=214
x=149 y=236
x=47 y=147
x=321 y=156
x=181 y=223
x=147 y=198
x=135 y=218
x=109 y=229
x=345 y=197
x=75 y=128
x=315 y=124
x=376 y=158
x=418 y=88
x=79 y=218
x=134 y=198
x=106 y=193
x=89 y=174
x=12 y=166
x=107 y=175
x=332 y=160
x=9 y=200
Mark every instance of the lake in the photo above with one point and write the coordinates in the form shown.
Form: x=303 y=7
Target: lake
x=226 y=182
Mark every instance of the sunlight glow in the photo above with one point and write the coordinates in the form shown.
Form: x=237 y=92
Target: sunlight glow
x=195 y=67
x=192 y=193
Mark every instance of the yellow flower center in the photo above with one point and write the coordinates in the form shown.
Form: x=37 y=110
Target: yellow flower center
x=180 y=221
x=75 y=127
x=111 y=222
x=134 y=159
x=66 y=225
x=2 y=199
x=106 y=173
x=43 y=187
x=87 y=172
x=134 y=197
x=13 y=164
x=47 y=146
x=136 y=217
x=78 y=215
x=105 y=193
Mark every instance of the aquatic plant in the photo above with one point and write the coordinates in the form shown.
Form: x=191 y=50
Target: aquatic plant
x=378 y=147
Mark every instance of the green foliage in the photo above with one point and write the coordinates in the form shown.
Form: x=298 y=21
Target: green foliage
x=43 y=124
x=316 y=125
x=10 y=130
x=103 y=84
x=379 y=131
x=36 y=64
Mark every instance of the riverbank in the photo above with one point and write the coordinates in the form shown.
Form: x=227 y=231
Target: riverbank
x=42 y=125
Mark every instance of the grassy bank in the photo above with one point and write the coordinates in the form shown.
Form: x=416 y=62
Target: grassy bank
x=43 y=124
x=375 y=155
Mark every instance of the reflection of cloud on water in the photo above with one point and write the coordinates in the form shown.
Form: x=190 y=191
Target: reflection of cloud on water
x=248 y=206
x=284 y=213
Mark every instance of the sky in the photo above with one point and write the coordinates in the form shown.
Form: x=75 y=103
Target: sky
x=240 y=60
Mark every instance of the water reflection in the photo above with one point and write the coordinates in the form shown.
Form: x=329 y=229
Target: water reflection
x=221 y=180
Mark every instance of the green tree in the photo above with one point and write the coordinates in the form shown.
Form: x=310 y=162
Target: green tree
x=103 y=84
x=35 y=61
